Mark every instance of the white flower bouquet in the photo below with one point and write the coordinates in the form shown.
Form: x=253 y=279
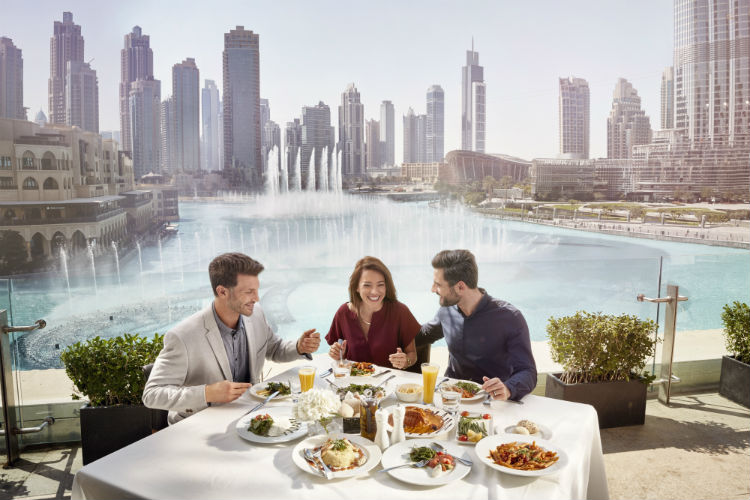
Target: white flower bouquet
x=316 y=405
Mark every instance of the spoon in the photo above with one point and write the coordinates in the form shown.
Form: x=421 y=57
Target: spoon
x=341 y=352
x=417 y=465
x=439 y=447
x=315 y=458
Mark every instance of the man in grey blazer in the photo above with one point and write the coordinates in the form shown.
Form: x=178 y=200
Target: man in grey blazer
x=216 y=354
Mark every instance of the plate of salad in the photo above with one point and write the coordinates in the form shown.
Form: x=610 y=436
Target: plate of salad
x=270 y=425
x=473 y=427
x=264 y=389
x=470 y=391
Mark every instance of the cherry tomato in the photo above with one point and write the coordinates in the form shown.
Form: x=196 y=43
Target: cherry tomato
x=463 y=437
x=486 y=416
x=464 y=413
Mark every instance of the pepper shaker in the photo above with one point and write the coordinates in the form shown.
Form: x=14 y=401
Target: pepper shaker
x=398 y=434
x=381 y=435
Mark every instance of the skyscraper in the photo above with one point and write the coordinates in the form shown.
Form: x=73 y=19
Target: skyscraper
x=712 y=72
x=211 y=144
x=186 y=95
x=292 y=145
x=627 y=124
x=388 y=134
x=372 y=144
x=412 y=140
x=66 y=45
x=145 y=126
x=242 y=131
x=81 y=96
x=473 y=102
x=574 y=117
x=667 y=98
x=435 y=134
x=11 y=80
x=709 y=146
x=351 y=133
x=316 y=133
x=168 y=137
x=136 y=63
x=265 y=115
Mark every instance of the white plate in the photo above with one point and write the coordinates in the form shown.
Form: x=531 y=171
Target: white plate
x=448 y=421
x=399 y=454
x=490 y=426
x=372 y=452
x=297 y=430
x=476 y=397
x=261 y=386
x=544 y=432
x=491 y=442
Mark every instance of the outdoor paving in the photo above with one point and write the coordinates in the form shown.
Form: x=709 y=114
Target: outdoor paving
x=698 y=448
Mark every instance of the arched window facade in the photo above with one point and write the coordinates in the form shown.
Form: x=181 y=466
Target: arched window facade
x=30 y=183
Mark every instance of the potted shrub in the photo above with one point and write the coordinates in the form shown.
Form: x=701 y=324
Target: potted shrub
x=734 y=382
x=602 y=357
x=108 y=373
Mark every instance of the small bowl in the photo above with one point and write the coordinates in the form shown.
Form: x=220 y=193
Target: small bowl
x=409 y=393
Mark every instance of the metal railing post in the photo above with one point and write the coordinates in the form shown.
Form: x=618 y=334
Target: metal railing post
x=10 y=429
x=666 y=378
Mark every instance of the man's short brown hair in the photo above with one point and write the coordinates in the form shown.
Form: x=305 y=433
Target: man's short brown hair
x=223 y=270
x=457 y=265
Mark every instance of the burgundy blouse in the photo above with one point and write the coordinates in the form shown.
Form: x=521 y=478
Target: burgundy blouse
x=392 y=327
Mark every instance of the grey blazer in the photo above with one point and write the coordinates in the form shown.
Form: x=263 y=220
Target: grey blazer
x=194 y=356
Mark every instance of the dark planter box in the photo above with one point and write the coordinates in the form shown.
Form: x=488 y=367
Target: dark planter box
x=734 y=382
x=105 y=429
x=617 y=404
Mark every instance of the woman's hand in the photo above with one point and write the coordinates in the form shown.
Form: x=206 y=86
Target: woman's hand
x=338 y=351
x=399 y=359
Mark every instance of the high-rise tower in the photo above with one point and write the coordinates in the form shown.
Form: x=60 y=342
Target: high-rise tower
x=627 y=124
x=316 y=133
x=242 y=131
x=351 y=133
x=211 y=144
x=388 y=133
x=81 y=96
x=65 y=45
x=186 y=95
x=574 y=117
x=667 y=98
x=473 y=103
x=11 y=80
x=435 y=135
x=136 y=63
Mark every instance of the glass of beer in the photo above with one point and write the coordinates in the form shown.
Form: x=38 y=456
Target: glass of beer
x=429 y=377
x=307 y=377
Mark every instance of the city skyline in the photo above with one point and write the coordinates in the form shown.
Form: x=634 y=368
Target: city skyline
x=524 y=50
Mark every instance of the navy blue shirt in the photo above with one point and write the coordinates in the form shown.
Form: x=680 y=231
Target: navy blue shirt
x=493 y=341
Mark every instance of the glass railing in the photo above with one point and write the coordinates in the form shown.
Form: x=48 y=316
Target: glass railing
x=308 y=254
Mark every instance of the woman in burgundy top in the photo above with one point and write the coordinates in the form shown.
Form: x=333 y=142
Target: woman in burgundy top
x=374 y=326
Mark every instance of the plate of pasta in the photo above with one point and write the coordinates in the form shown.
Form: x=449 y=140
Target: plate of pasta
x=521 y=455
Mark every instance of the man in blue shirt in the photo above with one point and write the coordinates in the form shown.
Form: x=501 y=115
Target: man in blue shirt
x=488 y=339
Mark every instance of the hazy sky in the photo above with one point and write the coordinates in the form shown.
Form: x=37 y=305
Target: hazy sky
x=392 y=50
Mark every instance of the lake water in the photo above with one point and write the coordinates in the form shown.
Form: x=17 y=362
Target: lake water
x=310 y=242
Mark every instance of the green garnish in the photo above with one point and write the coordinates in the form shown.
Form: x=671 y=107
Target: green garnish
x=261 y=424
x=468 y=386
x=421 y=453
x=471 y=423
x=283 y=389
x=356 y=388
x=339 y=445
x=357 y=372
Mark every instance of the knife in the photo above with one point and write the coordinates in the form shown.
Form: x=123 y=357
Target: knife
x=381 y=373
x=261 y=405
x=384 y=381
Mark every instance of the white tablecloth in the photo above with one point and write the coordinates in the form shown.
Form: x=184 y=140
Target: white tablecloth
x=202 y=457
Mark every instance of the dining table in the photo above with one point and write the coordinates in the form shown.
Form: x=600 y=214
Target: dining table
x=204 y=457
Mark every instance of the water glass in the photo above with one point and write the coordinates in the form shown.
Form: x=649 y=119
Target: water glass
x=340 y=369
x=296 y=390
x=450 y=400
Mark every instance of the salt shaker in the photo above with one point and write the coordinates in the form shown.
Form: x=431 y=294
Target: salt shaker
x=381 y=435
x=398 y=424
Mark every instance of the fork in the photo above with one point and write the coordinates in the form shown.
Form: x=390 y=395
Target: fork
x=315 y=458
x=439 y=447
x=417 y=465
x=487 y=400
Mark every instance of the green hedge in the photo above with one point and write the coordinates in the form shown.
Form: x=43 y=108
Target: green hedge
x=108 y=371
x=736 y=320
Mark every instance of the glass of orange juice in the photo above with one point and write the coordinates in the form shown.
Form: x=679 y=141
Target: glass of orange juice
x=306 y=377
x=429 y=377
